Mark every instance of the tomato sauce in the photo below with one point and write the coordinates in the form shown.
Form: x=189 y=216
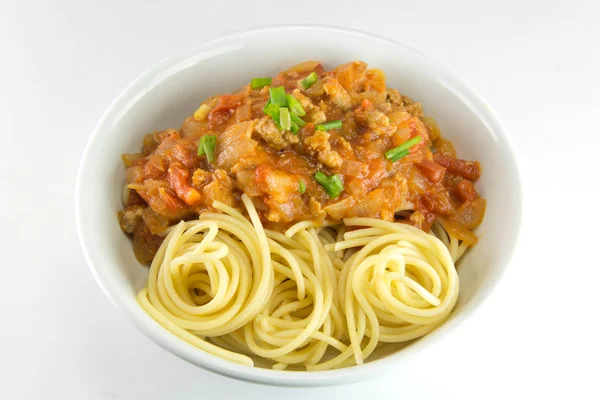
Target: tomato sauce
x=168 y=181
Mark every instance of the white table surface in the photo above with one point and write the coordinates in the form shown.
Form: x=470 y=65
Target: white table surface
x=63 y=62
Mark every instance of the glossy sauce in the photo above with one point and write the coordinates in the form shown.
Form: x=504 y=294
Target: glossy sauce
x=168 y=181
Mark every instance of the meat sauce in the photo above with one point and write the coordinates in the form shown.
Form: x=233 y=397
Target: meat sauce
x=168 y=182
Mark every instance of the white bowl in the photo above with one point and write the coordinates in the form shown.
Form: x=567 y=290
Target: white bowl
x=172 y=90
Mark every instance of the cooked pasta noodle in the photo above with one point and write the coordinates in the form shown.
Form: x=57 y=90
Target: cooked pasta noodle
x=316 y=297
x=378 y=210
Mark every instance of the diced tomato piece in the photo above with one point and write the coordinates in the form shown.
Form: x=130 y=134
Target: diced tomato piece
x=179 y=182
x=467 y=169
x=434 y=172
x=465 y=191
x=224 y=108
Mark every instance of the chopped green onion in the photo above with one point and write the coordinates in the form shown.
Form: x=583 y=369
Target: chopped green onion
x=402 y=151
x=258 y=83
x=295 y=128
x=207 y=147
x=295 y=105
x=410 y=143
x=398 y=156
x=284 y=118
x=273 y=111
x=301 y=186
x=266 y=105
x=332 y=184
x=337 y=124
x=337 y=181
x=309 y=80
x=278 y=96
x=297 y=120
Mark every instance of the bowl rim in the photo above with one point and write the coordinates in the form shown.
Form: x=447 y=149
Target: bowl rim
x=183 y=350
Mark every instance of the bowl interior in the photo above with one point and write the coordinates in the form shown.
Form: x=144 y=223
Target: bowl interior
x=173 y=89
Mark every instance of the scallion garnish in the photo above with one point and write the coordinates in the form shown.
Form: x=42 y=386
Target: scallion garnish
x=266 y=105
x=258 y=83
x=398 y=156
x=273 y=111
x=295 y=128
x=301 y=186
x=332 y=184
x=206 y=147
x=284 y=118
x=402 y=151
x=294 y=105
x=278 y=96
x=309 y=80
x=297 y=120
x=337 y=124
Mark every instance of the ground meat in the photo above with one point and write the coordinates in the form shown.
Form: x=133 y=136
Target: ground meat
x=200 y=177
x=413 y=107
x=275 y=138
x=221 y=189
x=291 y=138
x=338 y=95
x=304 y=101
x=319 y=144
x=375 y=120
x=129 y=217
x=316 y=116
x=394 y=96
x=344 y=144
x=330 y=158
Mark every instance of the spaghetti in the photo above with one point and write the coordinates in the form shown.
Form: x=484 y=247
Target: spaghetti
x=315 y=297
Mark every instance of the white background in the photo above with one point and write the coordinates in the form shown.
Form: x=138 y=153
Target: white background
x=63 y=62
